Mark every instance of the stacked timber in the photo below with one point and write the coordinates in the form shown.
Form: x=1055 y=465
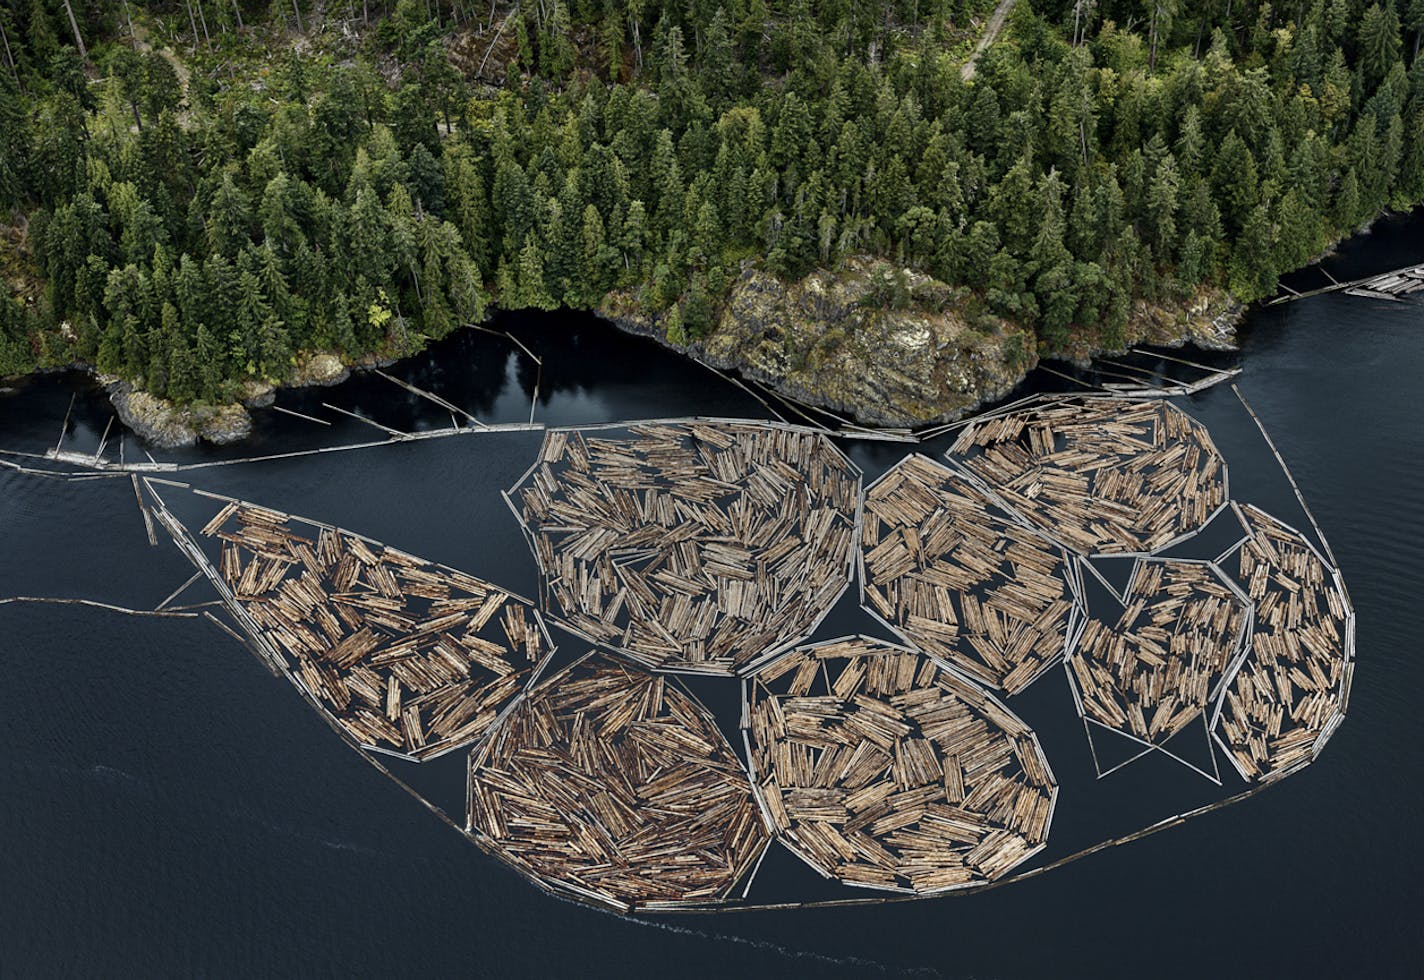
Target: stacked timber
x=881 y=767
x=1101 y=475
x=404 y=655
x=1291 y=690
x=694 y=545
x=950 y=573
x=1155 y=670
x=615 y=786
x=1391 y=285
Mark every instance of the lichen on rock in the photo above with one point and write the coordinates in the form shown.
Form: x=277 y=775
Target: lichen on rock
x=165 y=425
x=321 y=369
x=888 y=345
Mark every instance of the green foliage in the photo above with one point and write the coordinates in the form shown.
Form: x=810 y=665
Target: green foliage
x=198 y=227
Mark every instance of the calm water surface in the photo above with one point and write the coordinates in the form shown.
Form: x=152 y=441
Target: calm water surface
x=167 y=808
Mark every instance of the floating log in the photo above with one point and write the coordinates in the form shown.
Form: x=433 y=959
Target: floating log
x=881 y=767
x=693 y=545
x=953 y=574
x=1388 y=285
x=1155 y=671
x=1100 y=475
x=143 y=510
x=1289 y=693
x=449 y=406
x=614 y=785
x=406 y=656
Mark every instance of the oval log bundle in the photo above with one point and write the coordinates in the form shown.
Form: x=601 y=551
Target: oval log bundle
x=881 y=767
x=1291 y=690
x=406 y=656
x=1101 y=475
x=1162 y=663
x=696 y=546
x=615 y=785
x=952 y=573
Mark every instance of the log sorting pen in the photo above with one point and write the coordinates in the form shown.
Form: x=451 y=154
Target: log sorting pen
x=1291 y=690
x=952 y=573
x=715 y=547
x=697 y=545
x=1163 y=663
x=881 y=767
x=1101 y=475
x=406 y=656
x=613 y=784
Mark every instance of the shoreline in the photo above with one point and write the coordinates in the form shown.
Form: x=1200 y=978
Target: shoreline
x=1173 y=326
x=164 y=425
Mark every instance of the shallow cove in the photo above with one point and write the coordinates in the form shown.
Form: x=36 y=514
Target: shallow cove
x=170 y=809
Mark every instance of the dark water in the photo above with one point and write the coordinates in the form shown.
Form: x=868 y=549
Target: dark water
x=167 y=808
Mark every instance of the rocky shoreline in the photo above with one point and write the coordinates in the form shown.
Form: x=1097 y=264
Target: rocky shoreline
x=164 y=425
x=827 y=341
x=831 y=341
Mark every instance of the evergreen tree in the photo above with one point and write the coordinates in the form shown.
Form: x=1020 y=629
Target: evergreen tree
x=1234 y=180
x=192 y=232
x=1379 y=42
x=1253 y=270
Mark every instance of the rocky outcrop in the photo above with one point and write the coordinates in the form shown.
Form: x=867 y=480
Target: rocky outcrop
x=893 y=347
x=320 y=370
x=167 y=426
x=888 y=346
x=885 y=345
x=1207 y=319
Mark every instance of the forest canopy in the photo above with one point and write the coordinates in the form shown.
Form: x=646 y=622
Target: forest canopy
x=194 y=192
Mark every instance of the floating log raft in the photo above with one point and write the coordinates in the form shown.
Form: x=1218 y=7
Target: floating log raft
x=614 y=785
x=691 y=545
x=1156 y=670
x=1291 y=690
x=952 y=574
x=1101 y=475
x=406 y=656
x=881 y=767
x=1403 y=282
x=1389 y=285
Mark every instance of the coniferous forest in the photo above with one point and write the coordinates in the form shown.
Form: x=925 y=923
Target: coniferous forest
x=194 y=192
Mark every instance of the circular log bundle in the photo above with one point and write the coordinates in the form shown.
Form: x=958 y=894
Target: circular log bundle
x=694 y=546
x=950 y=572
x=1291 y=690
x=615 y=785
x=1104 y=476
x=1156 y=669
x=881 y=767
